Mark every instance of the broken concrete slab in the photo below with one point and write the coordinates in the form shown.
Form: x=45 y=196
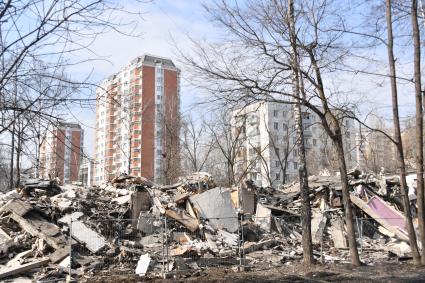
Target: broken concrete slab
x=5 y=243
x=244 y=199
x=39 y=227
x=16 y=206
x=211 y=242
x=65 y=263
x=83 y=234
x=216 y=206
x=148 y=224
x=67 y=218
x=263 y=217
x=123 y=199
x=337 y=233
x=318 y=224
x=231 y=239
x=140 y=202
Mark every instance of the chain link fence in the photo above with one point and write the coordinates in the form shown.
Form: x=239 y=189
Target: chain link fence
x=156 y=246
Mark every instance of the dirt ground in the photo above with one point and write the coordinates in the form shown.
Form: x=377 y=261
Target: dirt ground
x=387 y=272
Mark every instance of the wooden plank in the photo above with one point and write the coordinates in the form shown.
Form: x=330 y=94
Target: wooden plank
x=15 y=270
x=180 y=198
x=184 y=218
x=363 y=206
x=15 y=261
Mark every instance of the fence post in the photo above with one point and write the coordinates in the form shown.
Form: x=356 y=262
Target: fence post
x=242 y=244
x=166 y=242
x=70 y=250
x=361 y=235
x=163 y=246
x=239 y=242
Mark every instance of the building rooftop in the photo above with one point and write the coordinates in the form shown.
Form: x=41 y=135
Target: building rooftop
x=69 y=125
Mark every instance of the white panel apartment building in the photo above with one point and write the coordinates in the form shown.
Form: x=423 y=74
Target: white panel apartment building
x=268 y=153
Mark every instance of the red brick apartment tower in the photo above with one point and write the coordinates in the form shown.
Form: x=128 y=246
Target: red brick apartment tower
x=135 y=110
x=61 y=152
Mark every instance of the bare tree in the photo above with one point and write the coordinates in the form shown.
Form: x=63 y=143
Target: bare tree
x=263 y=72
x=419 y=142
x=196 y=144
x=302 y=169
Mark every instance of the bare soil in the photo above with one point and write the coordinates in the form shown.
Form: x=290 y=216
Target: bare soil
x=383 y=272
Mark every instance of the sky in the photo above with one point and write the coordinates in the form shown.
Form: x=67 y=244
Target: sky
x=163 y=23
x=167 y=22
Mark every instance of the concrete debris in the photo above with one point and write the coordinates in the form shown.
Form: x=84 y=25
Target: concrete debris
x=143 y=265
x=19 y=269
x=83 y=234
x=135 y=225
x=215 y=205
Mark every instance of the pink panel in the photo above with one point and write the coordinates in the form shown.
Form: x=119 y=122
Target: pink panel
x=387 y=212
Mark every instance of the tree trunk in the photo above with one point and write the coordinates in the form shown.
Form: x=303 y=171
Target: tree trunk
x=332 y=127
x=399 y=145
x=302 y=169
x=337 y=139
x=12 y=157
x=419 y=127
x=18 y=156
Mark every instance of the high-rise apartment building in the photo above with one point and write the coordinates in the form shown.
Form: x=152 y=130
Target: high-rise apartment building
x=137 y=121
x=267 y=151
x=61 y=152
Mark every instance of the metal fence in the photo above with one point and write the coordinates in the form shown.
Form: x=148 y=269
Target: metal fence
x=125 y=248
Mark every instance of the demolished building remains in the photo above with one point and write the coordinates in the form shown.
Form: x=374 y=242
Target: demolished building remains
x=133 y=227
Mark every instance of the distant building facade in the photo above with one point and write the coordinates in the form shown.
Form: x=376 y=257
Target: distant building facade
x=86 y=172
x=267 y=151
x=374 y=151
x=61 y=152
x=137 y=112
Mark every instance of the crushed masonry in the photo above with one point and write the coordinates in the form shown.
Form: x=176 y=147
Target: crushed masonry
x=49 y=232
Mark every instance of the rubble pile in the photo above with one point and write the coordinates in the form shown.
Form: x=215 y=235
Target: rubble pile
x=135 y=227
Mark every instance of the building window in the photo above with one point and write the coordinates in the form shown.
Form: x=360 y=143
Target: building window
x=277 y=163
x=294 y=140
x=295 y=152
x=276 y=126
x=295 y=165
x=314 y=142
x=277 y=176
x=277 y=151
x=275 y=113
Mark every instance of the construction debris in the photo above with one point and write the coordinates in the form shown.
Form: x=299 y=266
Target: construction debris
x=134 y=225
